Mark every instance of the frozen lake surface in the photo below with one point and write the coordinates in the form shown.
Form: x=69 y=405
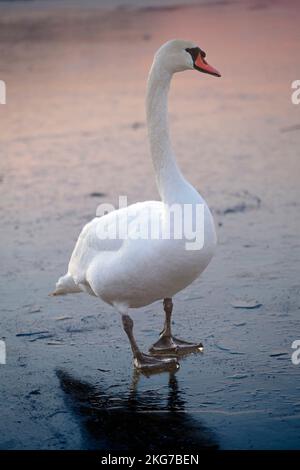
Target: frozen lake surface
x=74 y=126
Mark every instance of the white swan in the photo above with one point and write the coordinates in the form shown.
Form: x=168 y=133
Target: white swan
x=130 y=273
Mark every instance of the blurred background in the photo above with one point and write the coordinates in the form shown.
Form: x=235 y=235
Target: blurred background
x=72 y=135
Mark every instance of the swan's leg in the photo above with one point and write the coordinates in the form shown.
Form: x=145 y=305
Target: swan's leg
x=167 y=343
x=143 y=362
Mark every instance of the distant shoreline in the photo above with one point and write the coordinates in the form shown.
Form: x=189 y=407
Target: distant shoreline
x=116 y=4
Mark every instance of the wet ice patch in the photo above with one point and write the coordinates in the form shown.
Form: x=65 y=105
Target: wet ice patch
x=56 y=343
x=245 y=303
x=228 y=349
x=63 y=318
x=97 y=194
x=2 y=352
x=31 y=333
x=137 y=125
x=278 y=353
x=34 y=309
x=238 y=376
x=237 y=202
x=35 y=335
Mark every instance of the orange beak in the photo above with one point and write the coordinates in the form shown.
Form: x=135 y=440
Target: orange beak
x=201 y=65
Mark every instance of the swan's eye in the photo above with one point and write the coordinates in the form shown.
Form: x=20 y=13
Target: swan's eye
x=200 y=63
x=195 y=51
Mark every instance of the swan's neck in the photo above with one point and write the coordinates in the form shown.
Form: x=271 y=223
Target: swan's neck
x=170 y=182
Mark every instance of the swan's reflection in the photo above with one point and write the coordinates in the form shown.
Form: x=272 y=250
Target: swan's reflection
x=137 y=422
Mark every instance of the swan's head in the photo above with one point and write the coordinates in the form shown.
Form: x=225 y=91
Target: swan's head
x=177 y=55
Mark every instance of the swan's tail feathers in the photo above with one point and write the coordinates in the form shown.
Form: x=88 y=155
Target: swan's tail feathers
x=66 y=285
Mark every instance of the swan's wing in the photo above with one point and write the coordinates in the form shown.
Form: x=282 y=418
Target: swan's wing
x=107 y=234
